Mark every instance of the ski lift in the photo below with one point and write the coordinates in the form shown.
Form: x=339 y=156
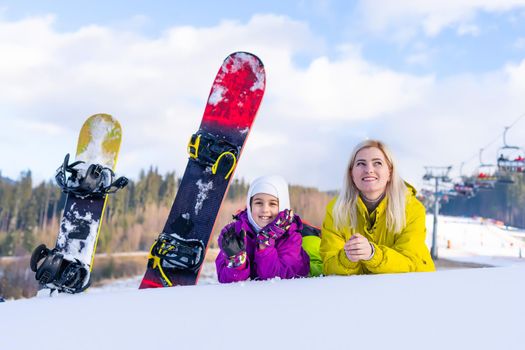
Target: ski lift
x=511 y=159
x=464 y=187
x=487 y=174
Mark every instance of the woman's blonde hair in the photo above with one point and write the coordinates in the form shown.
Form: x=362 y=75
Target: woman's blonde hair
x=345 y=208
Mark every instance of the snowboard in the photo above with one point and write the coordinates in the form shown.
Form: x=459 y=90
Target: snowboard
x=67 y=267
x=176 y=256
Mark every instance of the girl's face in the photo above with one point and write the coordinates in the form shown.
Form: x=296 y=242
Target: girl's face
x=370 y=172
x=265 y=208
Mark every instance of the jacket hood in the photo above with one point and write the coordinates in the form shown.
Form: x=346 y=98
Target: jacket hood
x=411 y=189
x=273 y=185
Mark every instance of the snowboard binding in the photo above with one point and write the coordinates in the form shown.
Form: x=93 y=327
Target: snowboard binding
x=92 y=181
x=174 y=252
x=55 y=272
x=210 y=150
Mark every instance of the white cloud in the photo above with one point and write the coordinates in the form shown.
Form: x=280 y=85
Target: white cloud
x=346 y=89
x=420 y=58
x=519 y=43
x=457 y=117
x=157 y=87
x=50 y=129
x=404 y=18
x=309 y=120
x=468 y=29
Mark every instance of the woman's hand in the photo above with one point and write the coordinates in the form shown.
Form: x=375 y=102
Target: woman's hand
x=358 y=248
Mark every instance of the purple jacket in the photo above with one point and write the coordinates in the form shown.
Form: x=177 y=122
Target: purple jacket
x=285 y=259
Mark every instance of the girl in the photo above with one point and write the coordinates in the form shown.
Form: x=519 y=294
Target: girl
x=376 y=224
x=264 y=240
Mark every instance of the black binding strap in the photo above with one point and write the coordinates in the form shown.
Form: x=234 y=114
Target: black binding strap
x=214 y=151
x=55 y=272
x=95 y=181
x=178 y=253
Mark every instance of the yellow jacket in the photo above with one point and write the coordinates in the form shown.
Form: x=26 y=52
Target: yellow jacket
x=402 y=252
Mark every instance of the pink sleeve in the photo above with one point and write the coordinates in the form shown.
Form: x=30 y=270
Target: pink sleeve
x=286 y=259
x=227 y=274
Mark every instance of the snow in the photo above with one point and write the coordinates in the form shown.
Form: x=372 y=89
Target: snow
x=478 y=241
x=217 y=94
x=94 y=153
x=82 y=169
x=449 y=309
x=74 y=248
x=256 y=69
x=238 y=61
x=235 y=63
x=204 y=188
x=470 y=309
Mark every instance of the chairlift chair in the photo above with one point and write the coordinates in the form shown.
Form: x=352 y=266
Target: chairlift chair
x=464 y=189
x=511 y=159
x=486 y=177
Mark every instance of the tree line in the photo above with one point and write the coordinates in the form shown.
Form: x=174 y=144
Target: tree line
x=134 y=216
x=505 y=203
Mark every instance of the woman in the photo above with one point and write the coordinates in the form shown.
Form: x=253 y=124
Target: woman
x=376 y=224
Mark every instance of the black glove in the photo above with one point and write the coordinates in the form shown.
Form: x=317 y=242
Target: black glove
x=232 y=243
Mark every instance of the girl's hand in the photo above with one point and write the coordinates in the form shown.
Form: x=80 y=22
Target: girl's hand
x=358 y=248
x=276 y=229
x=284 y=219
x=233 y=243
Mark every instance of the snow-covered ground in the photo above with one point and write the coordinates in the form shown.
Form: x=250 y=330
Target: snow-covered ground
x=450 y=309
x=456 y=309
x=478 y=241
x=208 y=275
x=459 y=239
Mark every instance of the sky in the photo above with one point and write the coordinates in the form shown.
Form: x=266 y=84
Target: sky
x=436 y=81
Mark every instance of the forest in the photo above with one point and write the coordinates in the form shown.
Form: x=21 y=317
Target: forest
x=134 y=216
x=505 y=202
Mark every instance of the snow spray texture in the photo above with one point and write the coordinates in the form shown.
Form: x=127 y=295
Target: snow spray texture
x=87 y=182
x=177 y=254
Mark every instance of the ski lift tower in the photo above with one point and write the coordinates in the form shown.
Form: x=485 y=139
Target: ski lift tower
x=437 y=174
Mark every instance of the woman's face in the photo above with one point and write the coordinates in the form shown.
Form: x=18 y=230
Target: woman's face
x=265 y=208
x=370 y=172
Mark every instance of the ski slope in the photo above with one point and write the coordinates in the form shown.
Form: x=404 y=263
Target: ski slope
x=478 y=241
x=450 y=309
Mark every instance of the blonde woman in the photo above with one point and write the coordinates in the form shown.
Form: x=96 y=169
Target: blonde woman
x=376 y=224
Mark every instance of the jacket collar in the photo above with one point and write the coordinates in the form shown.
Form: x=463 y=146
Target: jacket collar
x=363 y=211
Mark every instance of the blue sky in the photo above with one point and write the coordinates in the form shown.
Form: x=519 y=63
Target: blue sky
x=335 y=21
x=436 y=80
x=151 y=18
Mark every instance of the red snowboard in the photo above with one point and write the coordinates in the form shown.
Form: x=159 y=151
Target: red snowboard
x=176 y=256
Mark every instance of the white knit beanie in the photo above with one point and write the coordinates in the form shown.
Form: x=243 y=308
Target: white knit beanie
x=274 y=185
